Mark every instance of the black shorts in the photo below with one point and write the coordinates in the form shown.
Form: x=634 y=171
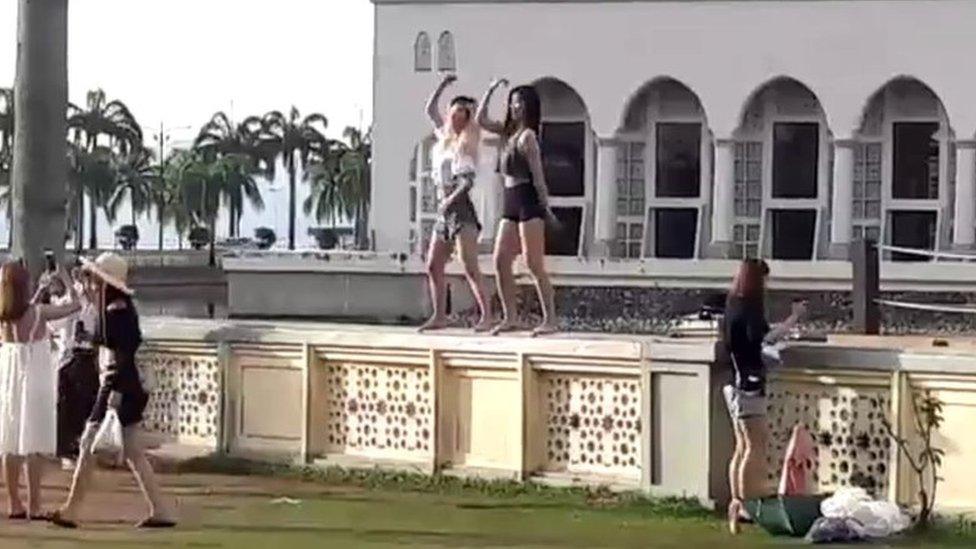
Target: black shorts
x=133 y=404
x=522 y=203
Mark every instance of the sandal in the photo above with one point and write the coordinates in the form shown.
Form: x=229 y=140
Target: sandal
x=57 y=520
x=17 y=516
x=735 y=507
x=152 y=522
x=43 y=517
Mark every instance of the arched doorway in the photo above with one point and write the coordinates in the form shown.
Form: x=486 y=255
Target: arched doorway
x=904 y=169
x=782 y=174
x=567 y=153
x=663 y=173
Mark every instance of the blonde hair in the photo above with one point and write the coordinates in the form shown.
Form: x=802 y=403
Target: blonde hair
x=468 y=141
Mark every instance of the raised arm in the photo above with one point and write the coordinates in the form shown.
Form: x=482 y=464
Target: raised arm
x=782 y=330
x=48 y=313
x=433 y=103
x=482 y=117
x=528 y=143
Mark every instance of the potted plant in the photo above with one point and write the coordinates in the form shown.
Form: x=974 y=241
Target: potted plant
x=199 y=237
x=327 y=239
x=127 y=236
x=265 y=238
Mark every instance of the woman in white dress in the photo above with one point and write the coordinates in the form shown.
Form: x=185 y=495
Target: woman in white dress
x=28 y=386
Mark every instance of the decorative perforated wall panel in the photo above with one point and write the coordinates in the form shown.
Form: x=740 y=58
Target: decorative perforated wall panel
x=184 y=395
x=847 y=426
x=593 y=424
x=372 y=409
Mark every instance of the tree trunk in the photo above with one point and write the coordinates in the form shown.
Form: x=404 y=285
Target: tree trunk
x=162 y=222
x=230 y=222
x=80 y=221
x=291 y=202
x=40 y=102
x=92 y=222
x=213 y=241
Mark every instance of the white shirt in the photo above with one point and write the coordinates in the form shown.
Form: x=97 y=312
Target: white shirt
x=64 y=328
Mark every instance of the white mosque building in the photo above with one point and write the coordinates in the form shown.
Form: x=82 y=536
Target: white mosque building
x=699 y=130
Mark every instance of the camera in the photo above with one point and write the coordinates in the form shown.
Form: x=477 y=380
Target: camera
x=52 y=264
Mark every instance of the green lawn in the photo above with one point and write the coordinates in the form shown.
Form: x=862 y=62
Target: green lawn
x=239 y=511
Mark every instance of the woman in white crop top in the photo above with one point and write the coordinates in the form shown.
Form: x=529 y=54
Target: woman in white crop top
x=455 y=158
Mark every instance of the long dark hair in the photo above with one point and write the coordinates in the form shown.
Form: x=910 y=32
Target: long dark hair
x=533 y=110
x=749 y=283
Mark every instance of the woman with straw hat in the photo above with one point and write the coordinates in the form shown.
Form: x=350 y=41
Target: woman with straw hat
x=118 y=338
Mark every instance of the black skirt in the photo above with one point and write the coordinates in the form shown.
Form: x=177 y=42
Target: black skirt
x=134 y=398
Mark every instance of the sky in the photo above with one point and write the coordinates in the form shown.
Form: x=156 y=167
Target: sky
x=176 y=62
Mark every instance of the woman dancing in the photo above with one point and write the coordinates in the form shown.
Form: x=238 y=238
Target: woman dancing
x=526 y=203
x=746 y=331
x=455 y=160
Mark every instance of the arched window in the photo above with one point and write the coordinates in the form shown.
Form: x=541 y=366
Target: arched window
x=445 y=52
x=421 y=53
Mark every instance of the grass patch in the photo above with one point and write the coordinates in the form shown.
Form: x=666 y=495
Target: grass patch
x=591 y=498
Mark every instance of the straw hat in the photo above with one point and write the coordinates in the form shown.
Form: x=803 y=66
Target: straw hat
x=112 y=269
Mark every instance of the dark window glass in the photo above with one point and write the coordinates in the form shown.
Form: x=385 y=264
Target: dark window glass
x=795 y=154
x=793 y=232
x=678 y=167
x=564 y=239
x=912 y=230
x=674 y=232
x=915 y=160
x=563 y=145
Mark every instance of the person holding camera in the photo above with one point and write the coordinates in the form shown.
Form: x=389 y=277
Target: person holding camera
x=77 y=367
x=27 y=386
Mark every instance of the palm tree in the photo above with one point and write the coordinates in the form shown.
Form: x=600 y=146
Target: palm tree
x=168 y=195
x=134 y=177
x=292 y=139
x=37 y=174
x=220 y=137
x=99 y=119
x=203 y=182
x=7 y=155
x=340 y=179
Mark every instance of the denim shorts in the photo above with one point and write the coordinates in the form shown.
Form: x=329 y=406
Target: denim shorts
x=744 y=404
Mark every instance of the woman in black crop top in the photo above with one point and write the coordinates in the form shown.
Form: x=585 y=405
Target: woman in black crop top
x=745 y=333
x=117 y=339
x=526 y=203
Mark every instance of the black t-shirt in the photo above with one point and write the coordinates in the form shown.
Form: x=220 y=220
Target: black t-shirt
x=122 y=335
x=745 y=330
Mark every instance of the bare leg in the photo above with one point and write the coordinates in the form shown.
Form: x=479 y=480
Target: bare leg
x=507 y=247
x=82 y=476
x=467 y=244
x=533 y=236
x=12 y=466
x=135 y=456
x=752 y=479
x=437 y=256
x=735 y=468
x=35 y=472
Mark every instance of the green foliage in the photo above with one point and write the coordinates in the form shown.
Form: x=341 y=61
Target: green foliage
x=926 y=460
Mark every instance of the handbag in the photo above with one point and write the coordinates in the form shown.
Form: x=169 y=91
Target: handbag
x=108 y=439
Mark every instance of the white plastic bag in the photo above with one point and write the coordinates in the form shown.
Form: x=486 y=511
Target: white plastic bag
x=878 y=518
x=108 y=439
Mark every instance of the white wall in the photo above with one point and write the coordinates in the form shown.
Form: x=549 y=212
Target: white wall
x=723 y=51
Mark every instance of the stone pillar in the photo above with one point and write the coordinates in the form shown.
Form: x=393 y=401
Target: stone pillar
x=605 y=231
x=964 y=221
x=841 y=205
x=723 y=198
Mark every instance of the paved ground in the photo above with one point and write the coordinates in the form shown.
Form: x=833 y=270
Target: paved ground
x=225 y=511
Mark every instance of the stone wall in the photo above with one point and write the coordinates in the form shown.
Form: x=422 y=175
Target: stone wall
x=654 y=310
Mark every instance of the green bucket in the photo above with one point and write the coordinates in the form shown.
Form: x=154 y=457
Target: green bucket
x=785 y=515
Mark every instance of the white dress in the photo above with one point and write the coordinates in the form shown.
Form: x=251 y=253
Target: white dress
x=28 y=399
